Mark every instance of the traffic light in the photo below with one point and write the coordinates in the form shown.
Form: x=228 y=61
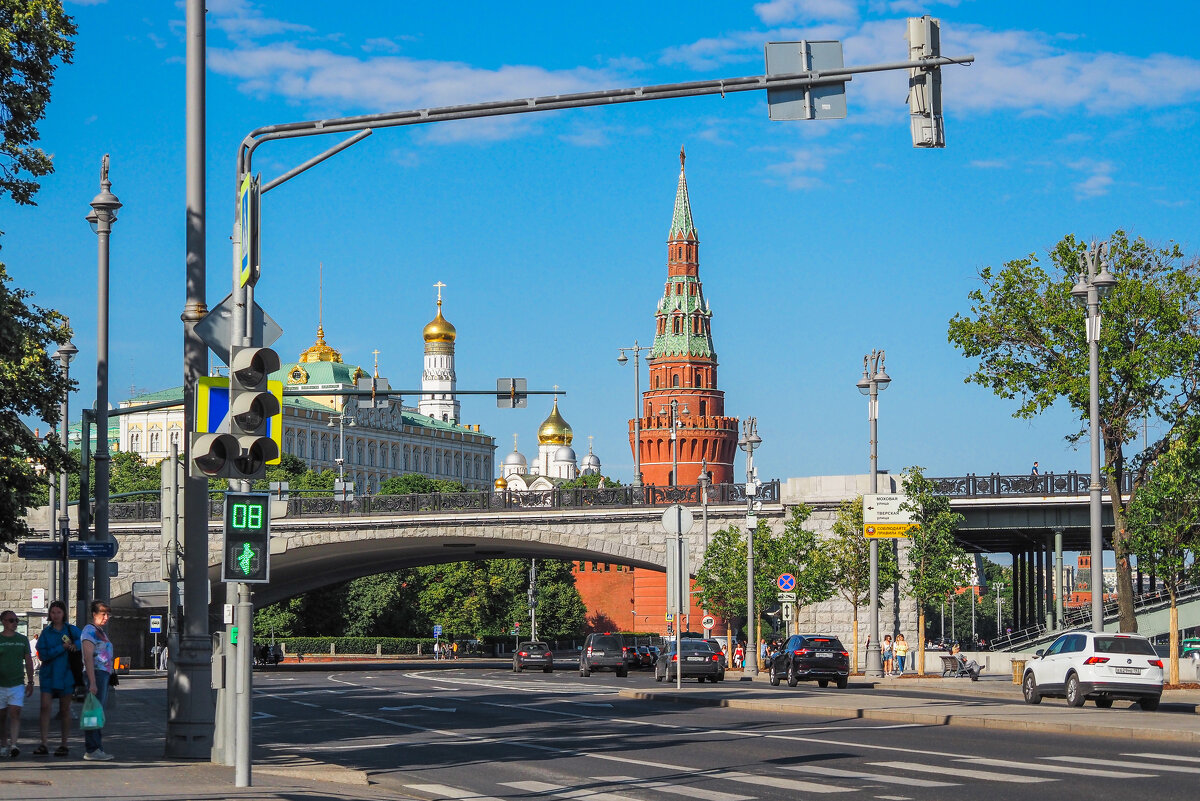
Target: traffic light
x=247 y=541
x=251 y=405
x=925 y=84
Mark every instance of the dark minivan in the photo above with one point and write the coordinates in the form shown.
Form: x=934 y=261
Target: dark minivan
x=812 y=657
x=603 y=652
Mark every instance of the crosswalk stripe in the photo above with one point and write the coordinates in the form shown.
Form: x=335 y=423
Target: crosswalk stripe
x=836 y=773
x=1165 y=756
x=449 y=792
x=1072 y=769
x=775 y=781
x=986 y=775
x=563 y=792
x=689 y=790
x=1118 y=764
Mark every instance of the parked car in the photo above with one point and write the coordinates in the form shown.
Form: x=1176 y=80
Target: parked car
x=811 y=657
x=603 y=652
x=1190 y=649
x=1082 y=665
x=533 y=654
x=698 y=661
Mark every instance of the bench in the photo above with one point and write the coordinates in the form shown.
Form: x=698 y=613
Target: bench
x=953 y=667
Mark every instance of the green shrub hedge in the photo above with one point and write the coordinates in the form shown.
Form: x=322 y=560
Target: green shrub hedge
x=352 y=645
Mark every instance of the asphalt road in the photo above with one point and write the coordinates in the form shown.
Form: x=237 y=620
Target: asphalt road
x=462 y=733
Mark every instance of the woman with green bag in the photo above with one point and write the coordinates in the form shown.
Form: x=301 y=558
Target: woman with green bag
x=98 y=665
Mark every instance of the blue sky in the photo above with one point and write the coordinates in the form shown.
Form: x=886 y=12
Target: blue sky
x=819 y=240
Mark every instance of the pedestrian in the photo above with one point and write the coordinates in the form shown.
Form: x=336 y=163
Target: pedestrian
x=55 y=645
x=885 y=651
x=738 y=656
x=163 y=655
x=901 y=651
x=1034 y=471
x=98 y=665
x=454 y=649
x=15 y=659
x=436 y=646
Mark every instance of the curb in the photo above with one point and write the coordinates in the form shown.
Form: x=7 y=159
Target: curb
x=1089 y=729
x=316 y=772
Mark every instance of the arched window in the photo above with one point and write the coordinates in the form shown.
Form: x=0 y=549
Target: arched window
x=174 y=438
x=703 y=408
x=699 y=382
x=135 y=441
x=289 y=443
x=360 y=452
x=675 y=380
x=312 y=442
x=155 y=441
x=427 y=459
x=406 y=457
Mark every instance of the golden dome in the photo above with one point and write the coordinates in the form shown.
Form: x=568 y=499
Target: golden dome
x=555 y=430
x=320 y=352
x=500 y=483
x=440 y=329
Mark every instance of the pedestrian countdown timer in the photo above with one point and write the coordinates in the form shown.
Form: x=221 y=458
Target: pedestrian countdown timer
x=247 y=551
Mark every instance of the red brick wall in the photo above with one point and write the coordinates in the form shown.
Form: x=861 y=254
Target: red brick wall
x=613 y=596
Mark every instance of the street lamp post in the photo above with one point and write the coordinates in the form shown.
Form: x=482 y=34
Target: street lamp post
x=673 y=409
x=343 y=420
x=103 y=215
x=874 y=380
x=637 y=405
x=65 y=354
x=999 y=611
x=749 y=441
x=1095 y=282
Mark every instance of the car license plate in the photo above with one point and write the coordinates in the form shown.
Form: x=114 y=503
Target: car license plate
x=825 y=654
x=597 y=653
x=1134 y=671
x=696 y=659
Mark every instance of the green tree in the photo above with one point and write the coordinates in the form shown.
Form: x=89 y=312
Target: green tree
x=849 y=554
x=31 y=384
x=1164 y=522
x=590 y=482
x=1028 y=336
x=721 y=579
x=382 y=606
x=560 y=610
x=416 y=483
x=937 y=563
x=34 y=38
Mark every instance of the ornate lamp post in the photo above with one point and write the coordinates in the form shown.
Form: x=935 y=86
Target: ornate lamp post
x=65 y=355
x=749 y=441
x=101 y=218
x=874 y=380
x=673 y=410
x=637 y=406
x=343 y=420
x=1095 y=282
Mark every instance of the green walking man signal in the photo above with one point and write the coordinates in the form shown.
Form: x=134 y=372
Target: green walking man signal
x=247 y=541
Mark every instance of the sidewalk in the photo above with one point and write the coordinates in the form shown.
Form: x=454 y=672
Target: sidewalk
x=135 y=735
x=991 y=703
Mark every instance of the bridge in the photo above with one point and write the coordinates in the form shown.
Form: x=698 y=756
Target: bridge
x=321 y=541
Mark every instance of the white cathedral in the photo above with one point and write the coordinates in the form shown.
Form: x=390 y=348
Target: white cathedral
x=555 y=462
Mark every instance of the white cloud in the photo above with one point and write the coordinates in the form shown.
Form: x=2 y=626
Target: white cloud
x=1099 y=179
x=801 y=169
x=989 y=164
x=779 y=11
x=380 y=45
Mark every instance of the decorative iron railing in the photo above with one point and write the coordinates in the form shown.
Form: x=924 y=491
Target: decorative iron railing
x=481 y=501
x=994 y=485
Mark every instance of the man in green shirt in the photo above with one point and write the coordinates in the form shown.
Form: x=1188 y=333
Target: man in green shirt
x=14 y=649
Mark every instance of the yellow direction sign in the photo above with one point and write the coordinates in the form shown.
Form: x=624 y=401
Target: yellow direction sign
x=887 y=530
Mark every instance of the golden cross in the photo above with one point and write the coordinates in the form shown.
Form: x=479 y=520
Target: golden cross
x=590 y=438
x=440 y=286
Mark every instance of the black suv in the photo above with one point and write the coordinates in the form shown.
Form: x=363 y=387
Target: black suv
x=603 y=652
x=533 y=654
x=809 y=657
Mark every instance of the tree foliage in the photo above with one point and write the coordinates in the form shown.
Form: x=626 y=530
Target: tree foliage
x=416 y=483
x=1029 y=339
x=937 y=563
x=31 y=384
x=849 y=554
x=34 y=38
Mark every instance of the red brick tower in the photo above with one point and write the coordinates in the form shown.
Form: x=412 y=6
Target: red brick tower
x=683 y=367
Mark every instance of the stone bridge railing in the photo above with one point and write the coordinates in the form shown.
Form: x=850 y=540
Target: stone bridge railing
x=480 y=501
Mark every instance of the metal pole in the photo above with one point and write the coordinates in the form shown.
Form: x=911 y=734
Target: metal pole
x=245 y=664
x=190 y=697
x=682 y=586
x=1097 y=543
x=51 y=525
x=104 y=207
x=173 y=553
x=637 y=420
x=65 y=354
x=83 y=567
x=674 y=444
x=750 y=440
x=1058 y=575
x=874 y=655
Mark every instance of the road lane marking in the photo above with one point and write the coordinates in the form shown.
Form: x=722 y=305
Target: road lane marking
x=986 y=775
x=1165 y=756
x=416 y=706
x=678 y=789
x=821 y=770
x=1072 y=769
x=558 y=791
x=759 y=780
x=1118 y=764
x=449 y=792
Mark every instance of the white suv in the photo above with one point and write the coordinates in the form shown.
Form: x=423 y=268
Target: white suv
x=1100 y=666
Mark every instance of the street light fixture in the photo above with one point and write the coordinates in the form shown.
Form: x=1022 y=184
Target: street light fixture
x=749 y=441
x=874 y=380
x=343 y=420
x=65 y=354
x=103 y=215
x=674 y=409
x=1095 y=282
x=622 y=360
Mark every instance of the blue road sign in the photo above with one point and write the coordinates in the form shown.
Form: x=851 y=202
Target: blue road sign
x=437 y=631
x=39 y=549
x=787 y=582
x=91 y=550
x=156 y=624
